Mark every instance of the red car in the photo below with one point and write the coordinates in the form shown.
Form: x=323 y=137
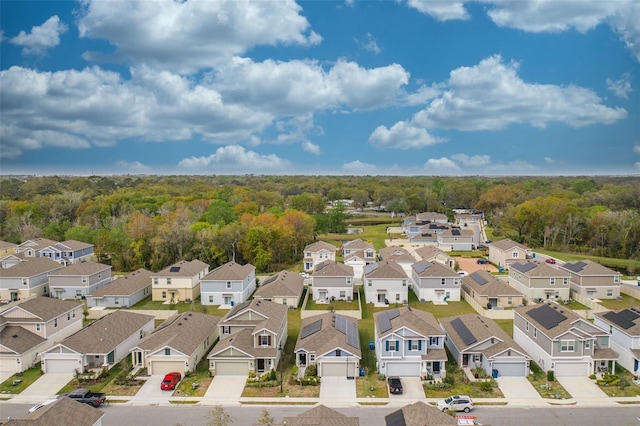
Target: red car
x=551 y=260
x=170 y=381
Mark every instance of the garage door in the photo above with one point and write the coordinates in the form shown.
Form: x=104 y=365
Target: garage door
x=571 y=369
x=510 y=369
x=403 y=369
x=60 y=366
x=232 y=368
x=338 y=369
x=164 y=367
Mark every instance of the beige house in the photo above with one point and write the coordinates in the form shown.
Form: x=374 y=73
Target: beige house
x=399 y=255
x=592 y=280
x=539 y=281
x=434 y=254
x=7 y=248
x=505 y=252
x=491 y=292
x=28 y=278
x=316 y=253
x=179 y=282
x=285 y=287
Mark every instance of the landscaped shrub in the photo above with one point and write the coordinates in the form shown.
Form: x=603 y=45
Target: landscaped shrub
x=449 y=379
x=311 y=370
x=623 y=383
x=550 y=376
x=485 y=386
x=439 y=385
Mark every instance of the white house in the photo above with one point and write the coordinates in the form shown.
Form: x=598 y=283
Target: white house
x=385 y=282
x=433 y=281
x=228 y=285
x=624 y=327
x=332 y=281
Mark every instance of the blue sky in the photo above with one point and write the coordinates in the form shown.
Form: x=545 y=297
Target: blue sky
x=407 y=87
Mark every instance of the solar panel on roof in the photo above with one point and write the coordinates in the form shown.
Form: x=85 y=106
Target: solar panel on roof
x=524 y=267
x=421 y=267
x=384 y=324
x=174 y=269
x=546 y=316
x=575 y=267
x=455 y=232
x=309 y=329
x=393 y=313
x=629 y=314
x=464 y=333
x=341 y=324
x=353 y=339
x=479 y=278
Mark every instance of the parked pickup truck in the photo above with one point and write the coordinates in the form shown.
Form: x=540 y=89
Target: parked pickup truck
x=86 y=397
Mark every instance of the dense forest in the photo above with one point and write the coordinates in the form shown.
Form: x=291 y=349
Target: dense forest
x=153 y=221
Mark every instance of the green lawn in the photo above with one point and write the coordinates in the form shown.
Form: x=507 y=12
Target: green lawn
x=336 y=305
x=194 y=306
x=614 y=304
x=506 y=325
x=546 y=389
x=25 y=379
x=622 y=384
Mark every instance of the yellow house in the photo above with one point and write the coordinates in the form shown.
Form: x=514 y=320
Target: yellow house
x=179 y=282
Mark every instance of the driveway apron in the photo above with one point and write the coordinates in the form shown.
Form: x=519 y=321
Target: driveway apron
x=517 y=388
x=337 y=390
x=581 y=388
x=412 y=391
x=46 y=387
x=225 y=389
x=150 y=393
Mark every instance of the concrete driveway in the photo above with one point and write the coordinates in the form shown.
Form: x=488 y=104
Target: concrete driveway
x=4 y=375
x=411 y=390
x=517 y=388
x=46 y=387
x=225 y=389
x=150 y=392
x=581 y=388
x=337 y=389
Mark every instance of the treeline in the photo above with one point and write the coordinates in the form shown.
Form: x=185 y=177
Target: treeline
x=153 y=221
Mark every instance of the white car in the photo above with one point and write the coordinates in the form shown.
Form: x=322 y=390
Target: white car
x=455 y=403
x=42 y=404
x=304 y=275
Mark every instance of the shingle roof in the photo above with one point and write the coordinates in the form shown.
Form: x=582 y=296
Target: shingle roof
x=508 y=244
x=63 y=411
x=30 y=268
x=184 y=268
x=396 y=253
x=327 y=337
x=492 y=287
x=81 y=268
x=74 y=245
x=461 y=233
x=6 y=245
x=320 y=245
x=42 y=307
x=535 y=269
x=357 y=244
x=283 y=284
x=384 y=269
x=105 y=334
x=434 y=269
x=275 y=314
x=562 y=327
x=321 y=416
x=184 y=332
x=230 y=271
x=415 y=319
x=588 y=268
x=419 y=414
x=127 y=285
x=329 y=268
x=432 y=216
x=18 y=339
x=633 y=330
x=38 y=243
x=243 y=340
x=429 y=252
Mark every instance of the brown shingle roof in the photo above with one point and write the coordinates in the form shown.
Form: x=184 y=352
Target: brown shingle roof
x=415 y=319
x=419 y=414
x=184 y=268
x=321 y=416
x=588 y=268
x=44 y=308
x=634 y=330
x=127 y=285
x=357 y=244
x=283 y=284
x=562 y=327
x=384 y=269
x=508 y=244
x=63 y=411
x=320 y=245
x=274 y=314
x=493 y=287
x=329 y=268
x=30 y=268
x=81 y=268
x=327 y=337
x=184 y=332
x=435 y=270
x=538 y=270
x=18 y=339
x=396 y=253
x=230 y=271
x=429 y=252
x=243 y=340
x=75 y=245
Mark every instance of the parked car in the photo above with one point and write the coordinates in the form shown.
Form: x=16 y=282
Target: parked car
x=482 y=261
x=455 y=403
x=551 y=260
x=463 y=273
x=42 y=404
x=395 y=385
x=170 y=381
x=86 y=396
x=304 y=275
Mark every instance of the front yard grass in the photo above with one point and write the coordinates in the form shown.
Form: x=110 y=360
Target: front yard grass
x=621 y=384
x=23 y=380
x=96 y=385
x=201 y=377
x=371 y=386
x=614 y=304
x=546 y=389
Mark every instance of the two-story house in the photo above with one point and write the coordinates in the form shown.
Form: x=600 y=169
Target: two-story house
x=284 y=287
x=77 y=280
x=122 y=292
x=399 y=255
x=457 y=239
x=316 y=253
x=68 y=251
x=32 y=247
x=6 y=248
x=415 y=225
x=539 y=281
x=560 y=340
x=624 y=328
x=434 y=254
x=434 y=282
x=252 y=337
x=331 y=342
x=505 y=252
x=385 y=282
x=592 y=280
x=31 y=326
x=490 y=292
x=478 y=342
x=228 y=285
x=357 y=254
x=179 y=282
x=409 y=343
x=332 y=281
x=27 y=278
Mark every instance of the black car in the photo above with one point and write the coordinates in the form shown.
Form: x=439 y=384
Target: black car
x=395 y=385
x=482 y=261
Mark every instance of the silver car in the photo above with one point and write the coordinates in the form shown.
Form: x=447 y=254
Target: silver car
x=456 y=403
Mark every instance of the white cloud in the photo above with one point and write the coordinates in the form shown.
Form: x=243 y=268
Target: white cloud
x=310 y=148
x=472 y=161
x=369 y=43
x=424 y=94
x=549 y=160
x=358 y=168
x=233 y=158
x=625 y=23
x=620 y=87
x=441 y=166
x=441 y=10
x=41 y=37
x=402 y=135
x=636 y=149
x=133 y=167
x=191 y=35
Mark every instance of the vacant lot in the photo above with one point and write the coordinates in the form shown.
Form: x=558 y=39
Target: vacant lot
x=470 y=264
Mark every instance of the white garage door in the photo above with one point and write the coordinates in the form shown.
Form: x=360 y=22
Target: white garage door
x=571 y=369
x=403 y=369
x=232 y=368
x=164 y=367
x=60 y=366
x=338 y=369
x=510 y=369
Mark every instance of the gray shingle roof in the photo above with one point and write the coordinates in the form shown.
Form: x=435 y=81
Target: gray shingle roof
x=588 y=268
x=44 y=308
x=274 y=313
x=320 y=245
x=429 y=252
x=329 y=268
x=562 y=327
x=358 y=245
x=75 y=245
x=82 y=268
x=31 y=268
x=184 y=332
x=283 y=284
x=384 y=269
x=327 y=338
x=396 y=253
x=535 y=269
x=37 y=243
x=508 y=244
x=415 y=319
x=493 y=287
x=184 y=268
x=63 y=411
x=127 y=285
x=419 y=413
x=435 y=270
x=230 y=271
x=321 y=416
x=18 y=339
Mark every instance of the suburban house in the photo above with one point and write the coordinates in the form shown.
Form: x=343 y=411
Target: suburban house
x=316 y=253
x=179 y=282
x=414 y=225
x=434 y=282
x=7 y=248
x=78 y=279
x=457 y=239
x=285 y=287
x=409 y=343
x=425 y=238
x=63 y=408
x=560 y=340
x=25 y=279
x=592 y=280
x=331 y=342
x=65 y=252
x=322 y=416
x=478 y=342
x=31 y=326
x=505 y=252
x=228 y=285
x=434 y=254
x=419 y=413
x=385 y=282
x=178 y=344
x=252 y=337
x=332 y=281
x=31 y=248
x=399 y=255
x=539 y=281
x=122 y=292
x=491 y=292
x=103 y=343
x=357 y=254
x=624 y=329
x=9 y=260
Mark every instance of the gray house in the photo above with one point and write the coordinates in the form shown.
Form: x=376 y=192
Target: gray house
x=332 y=281
x=122 y=292
x=78 y=279
x=285 y=287
x=539 y=281
x=434 y=282
x=457 y=239
x=592 y=280
x=28 y=278
x=228 y=285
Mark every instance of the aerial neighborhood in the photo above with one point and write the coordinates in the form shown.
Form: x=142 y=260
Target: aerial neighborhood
x=359 y=310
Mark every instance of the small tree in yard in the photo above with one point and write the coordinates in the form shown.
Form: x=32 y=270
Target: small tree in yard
x=219 y=417
x=266 y=419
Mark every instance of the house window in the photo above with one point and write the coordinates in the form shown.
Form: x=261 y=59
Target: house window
x=610 y=292
x=284 y=301
x=228 y=284
x=369 y=282
x=535 y=333
x=84 y=280
x=264 y=340
x=526 y=326
x=565 y=281
x=24 y=281
x=308 y=254
x=141 y=334
x=55 y=322
x=312 y=357
x=587 y=344
x=567 y=345
x=397 y=297
x=155 y=281
x=210 y=299
x=443 y=281
x=168 y=281
x=514 y=255
x=414 y=345
x=37 y=327
x=349 y=280
x=369 y=254
x=68 y=316
x=510 y=300
x=338 y=352
x=616 y=279
x=116 y=301
x=164 y=294
x=343 y=294
x=404 y=283
x=78 y=293
x=226 y=329
x=99 y=275
x=552 y=281
x=74 y=314
x=433 y=341
x=44 y=290
x=393 y=345
x=167 y=351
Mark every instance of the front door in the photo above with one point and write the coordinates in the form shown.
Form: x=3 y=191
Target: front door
x=303 y=359
x=260 y=365
x=381 y=297
x=14 y=296
x=436 y=367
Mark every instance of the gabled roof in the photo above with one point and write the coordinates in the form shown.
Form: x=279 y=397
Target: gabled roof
x=588 y=268
x=357 y=244
x=396 y=253
x=230 y=271
x=324 y=333
x=508 y=244
x=106 y=333
x=36 y=244
x=42 y=308
x=384 y=269
x=6 y=245
x=320 y=245
x=184 y=332
x=554 y=320
x=66 y=409
x=535 y=269
x=426 y=269
x=73 y=245
x=184 y=268
x=269 y=315
x=243 y=342
x=430 y=216
x=282 y=284
x=125 y=286
x=417 y=320
x=321 y=416
x=330 y=268
x=485 y=284
x=18 y=339
x=419 y=413
x=626 y=320
x=82 y=268
x=31 y=268
x=430 y=252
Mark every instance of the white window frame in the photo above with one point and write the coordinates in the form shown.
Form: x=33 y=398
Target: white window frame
x=587 y=344
x=567 y=345
x=535 y=333
x=343 y=294
x=616 y=279
x=515 y=255
x=609 y=292
x=415 y=345
x=264 y=340
x=168 y=280
x=526 y=325
x=393 y=345
x=226 y=329
x=552 y=281
x=155 y=281
x=228 y=284
x=443 y=281
x=565 y=281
